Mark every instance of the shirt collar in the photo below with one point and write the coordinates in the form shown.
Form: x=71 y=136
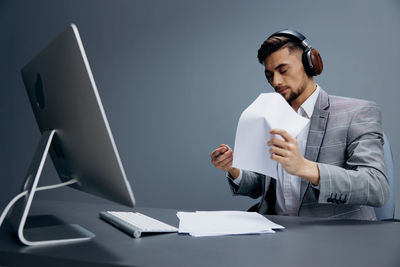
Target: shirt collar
x=308 y=106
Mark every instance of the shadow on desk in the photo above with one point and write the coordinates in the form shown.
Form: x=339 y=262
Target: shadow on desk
x=14 y=253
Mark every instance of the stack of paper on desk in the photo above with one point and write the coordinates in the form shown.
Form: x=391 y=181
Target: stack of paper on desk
x=267 y=112
x=213 y=223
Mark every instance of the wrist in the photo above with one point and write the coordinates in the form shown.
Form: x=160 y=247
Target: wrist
x=233 y=172
x=310 y=172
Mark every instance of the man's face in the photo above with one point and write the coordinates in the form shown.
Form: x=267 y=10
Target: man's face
x=285 y=72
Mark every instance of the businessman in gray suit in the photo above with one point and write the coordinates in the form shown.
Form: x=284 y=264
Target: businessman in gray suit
x=335 y=167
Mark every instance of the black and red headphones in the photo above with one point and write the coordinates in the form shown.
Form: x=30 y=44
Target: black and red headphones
x=311 y=58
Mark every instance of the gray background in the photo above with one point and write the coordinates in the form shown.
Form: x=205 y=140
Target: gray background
x=175 y=75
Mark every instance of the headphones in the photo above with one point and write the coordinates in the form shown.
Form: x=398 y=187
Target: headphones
x=311 y=58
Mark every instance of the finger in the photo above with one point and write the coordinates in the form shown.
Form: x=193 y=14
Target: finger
x=277 y=142
x=223 y=148
x=277 y=158
x=285 y=135
x=226 y=163
x=224 y=145
x=222 y=157
x=278 y=151
x=227 y=166
x=219 y=151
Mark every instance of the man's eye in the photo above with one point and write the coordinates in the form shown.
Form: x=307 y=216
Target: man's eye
x=282 y=71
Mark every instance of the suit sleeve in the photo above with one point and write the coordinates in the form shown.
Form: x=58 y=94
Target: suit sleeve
x=252 y=184
x=362 y=180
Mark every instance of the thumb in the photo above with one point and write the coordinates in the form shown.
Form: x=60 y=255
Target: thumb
x=226 y=146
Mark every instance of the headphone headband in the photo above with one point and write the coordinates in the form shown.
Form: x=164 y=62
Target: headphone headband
x=293 y=34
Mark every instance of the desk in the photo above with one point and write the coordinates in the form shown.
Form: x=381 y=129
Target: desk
x=305 y=242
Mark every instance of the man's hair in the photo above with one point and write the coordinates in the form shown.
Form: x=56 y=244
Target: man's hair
x=274 y=43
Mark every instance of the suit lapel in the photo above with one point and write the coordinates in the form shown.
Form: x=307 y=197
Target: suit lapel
x=316 y=133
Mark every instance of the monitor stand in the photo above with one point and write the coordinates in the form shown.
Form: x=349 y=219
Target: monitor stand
x=47 y=235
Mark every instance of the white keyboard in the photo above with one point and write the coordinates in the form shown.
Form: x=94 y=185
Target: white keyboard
x=136 y=223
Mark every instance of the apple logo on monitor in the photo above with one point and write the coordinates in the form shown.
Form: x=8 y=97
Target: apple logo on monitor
x=39 y=92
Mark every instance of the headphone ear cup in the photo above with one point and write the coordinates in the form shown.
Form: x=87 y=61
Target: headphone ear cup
x=316 y=61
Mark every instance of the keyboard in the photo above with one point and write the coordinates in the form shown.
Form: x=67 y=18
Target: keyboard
x=135 y=223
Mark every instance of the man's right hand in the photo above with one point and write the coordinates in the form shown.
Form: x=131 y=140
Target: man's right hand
x=222 y=159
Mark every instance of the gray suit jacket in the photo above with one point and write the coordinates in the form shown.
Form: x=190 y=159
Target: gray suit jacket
x=346 y=141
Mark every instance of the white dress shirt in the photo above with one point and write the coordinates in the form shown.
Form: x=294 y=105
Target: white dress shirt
x=287 y=185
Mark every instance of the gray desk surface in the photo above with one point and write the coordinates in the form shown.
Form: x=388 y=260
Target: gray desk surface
x=305 y=242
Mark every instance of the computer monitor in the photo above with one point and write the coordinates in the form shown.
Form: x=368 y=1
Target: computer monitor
x=75 y=132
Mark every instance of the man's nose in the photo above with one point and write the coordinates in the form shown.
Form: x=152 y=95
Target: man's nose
x=276 y=80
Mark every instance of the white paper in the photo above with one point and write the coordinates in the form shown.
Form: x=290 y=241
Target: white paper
x=213 y=223
x=268 y=111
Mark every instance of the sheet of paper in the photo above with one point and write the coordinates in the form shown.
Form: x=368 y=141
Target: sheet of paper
x=268 y=111
x=213 y=223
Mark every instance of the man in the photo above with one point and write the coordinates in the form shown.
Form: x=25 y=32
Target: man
x=335 y=168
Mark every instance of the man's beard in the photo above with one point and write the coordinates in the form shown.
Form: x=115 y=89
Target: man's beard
x=294 y=95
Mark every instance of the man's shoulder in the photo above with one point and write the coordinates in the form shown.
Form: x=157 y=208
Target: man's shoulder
x=341 y=103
